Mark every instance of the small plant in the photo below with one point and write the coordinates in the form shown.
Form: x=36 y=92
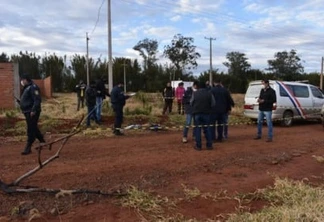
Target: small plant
x=191 y=194
x=11 y=114
x=145 y=202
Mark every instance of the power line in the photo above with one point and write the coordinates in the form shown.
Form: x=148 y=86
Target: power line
x=94 y=28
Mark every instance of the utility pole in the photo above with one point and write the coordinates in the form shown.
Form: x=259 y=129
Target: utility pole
x=110 y=65
x=87 y=61
x=125 y=75
x=210 y=60
x=321 y=78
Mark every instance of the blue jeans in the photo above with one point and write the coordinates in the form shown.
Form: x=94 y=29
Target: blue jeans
x=226 y=125
x=268 y=116
x=202 y=121
x=91 y=114
x=217 y=120
x=99 y=107
x=189 y=118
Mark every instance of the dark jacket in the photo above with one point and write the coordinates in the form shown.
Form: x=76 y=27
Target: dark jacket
x=91 y=95
x=101 y=89
x=117 y=97
x=222 y=99
x=30 y=100
x=202 y=101
x=80 y=90
x=269 y=97
x=186 y=100
x=168 y=93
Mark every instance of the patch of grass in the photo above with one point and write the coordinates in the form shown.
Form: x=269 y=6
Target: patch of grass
x=177 y=120
x=190 y=194
x=146 y=203
x=138 y=111
x=290 y=201
x=319 y=159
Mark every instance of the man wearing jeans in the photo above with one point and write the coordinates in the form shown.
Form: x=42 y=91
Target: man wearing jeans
x=202 y=102
x=188 y=111
x=266 y=100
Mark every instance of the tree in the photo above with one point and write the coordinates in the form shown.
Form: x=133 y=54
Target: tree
x=148 y=49
x=286 y=65
x=237 y=65
x=4 y=57
x=53 y=66
x=28 y=64
x=182 y=53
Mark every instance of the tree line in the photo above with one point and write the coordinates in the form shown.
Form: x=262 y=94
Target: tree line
x=151 y=76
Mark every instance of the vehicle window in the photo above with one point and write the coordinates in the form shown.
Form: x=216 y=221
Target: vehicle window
x=283 y=92
x=253 y=91
x=301 y=91
x=316 y=92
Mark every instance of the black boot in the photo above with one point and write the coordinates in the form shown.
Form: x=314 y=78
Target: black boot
x=27 y=150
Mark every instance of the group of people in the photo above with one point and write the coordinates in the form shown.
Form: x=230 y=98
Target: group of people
x=206 y=106
x=94 y=94
x=169 y=94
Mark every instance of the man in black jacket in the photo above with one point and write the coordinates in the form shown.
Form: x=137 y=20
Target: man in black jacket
x=91 y=94
x=118 y=101
x=30 y=105
x=168 y=96
x=102 y=92
x=266 y=100
x=80 y=90
x=223 y=102
x=202 y=102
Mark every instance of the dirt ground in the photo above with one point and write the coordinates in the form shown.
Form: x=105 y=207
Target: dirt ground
x=159 y=163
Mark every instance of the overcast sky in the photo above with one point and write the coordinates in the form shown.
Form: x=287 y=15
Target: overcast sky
x=258 y=28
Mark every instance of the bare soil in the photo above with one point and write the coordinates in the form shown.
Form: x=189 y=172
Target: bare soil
x=159 y=163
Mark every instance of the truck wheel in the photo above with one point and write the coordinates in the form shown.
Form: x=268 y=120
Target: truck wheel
x=287 y=118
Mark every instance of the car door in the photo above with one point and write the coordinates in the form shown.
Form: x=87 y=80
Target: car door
x=304 y=101
x=318 y=100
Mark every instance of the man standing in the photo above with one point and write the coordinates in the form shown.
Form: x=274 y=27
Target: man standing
x=188 y=110
x=118 y=101
x=179 y=92
x=168 y=95
x=91 y=103
x=30 y=105
x=223 y=101
x=101 y=95
x=266 y=100
x=202 y=102
x=80 y=90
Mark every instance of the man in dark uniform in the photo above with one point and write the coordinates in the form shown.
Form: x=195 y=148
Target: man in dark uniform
x=168 y=96
x=118 y=101
x=91 y=94
x=30 y=105
x=80 y=90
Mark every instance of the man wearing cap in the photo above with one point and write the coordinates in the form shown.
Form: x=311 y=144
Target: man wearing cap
x=30 y=105
x=118 y=101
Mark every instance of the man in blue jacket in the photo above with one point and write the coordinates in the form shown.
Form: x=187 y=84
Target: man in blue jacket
x=118 y=101
x=30 y=105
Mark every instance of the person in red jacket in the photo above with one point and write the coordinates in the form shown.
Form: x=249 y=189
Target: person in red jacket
x=179 y=93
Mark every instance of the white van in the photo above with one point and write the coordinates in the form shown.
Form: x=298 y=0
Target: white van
x=294 y=100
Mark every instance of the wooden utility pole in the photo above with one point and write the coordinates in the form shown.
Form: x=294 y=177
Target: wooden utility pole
x=210 y=60
x=321 y=78
x=87 y=61
x=110 y=62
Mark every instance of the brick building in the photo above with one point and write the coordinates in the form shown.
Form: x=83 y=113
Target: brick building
x=10 y=85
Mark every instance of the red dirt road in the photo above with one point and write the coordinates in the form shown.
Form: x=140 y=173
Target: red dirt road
x=157 y=162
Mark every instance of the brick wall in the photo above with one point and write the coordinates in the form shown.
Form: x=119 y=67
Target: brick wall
x=45 y=86
x=10 y=85
x=7 y=100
